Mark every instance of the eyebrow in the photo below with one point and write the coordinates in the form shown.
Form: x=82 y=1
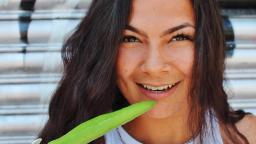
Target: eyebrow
x=168 y=31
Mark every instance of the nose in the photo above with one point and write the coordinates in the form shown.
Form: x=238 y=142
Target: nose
x=155 y=63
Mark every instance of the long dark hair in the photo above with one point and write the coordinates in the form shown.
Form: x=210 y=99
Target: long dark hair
x=88 y=86
x=207 y=94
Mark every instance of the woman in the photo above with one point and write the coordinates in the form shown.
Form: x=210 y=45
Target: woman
x=170 y=51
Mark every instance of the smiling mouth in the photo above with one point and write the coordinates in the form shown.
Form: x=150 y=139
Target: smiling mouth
x=161 y=88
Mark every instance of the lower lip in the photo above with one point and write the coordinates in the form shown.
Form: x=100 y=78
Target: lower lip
x=157 y=95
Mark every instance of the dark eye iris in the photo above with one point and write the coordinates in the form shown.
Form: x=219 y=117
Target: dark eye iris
x=181 y=37
x=130 y=39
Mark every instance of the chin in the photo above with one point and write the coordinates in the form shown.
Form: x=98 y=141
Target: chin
x=161 y=111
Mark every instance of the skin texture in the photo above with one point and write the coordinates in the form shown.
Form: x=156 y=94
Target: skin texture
x=147 y=56
x=247 y=126
x=156 y=58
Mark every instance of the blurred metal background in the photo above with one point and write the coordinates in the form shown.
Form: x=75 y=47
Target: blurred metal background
x=31 y=35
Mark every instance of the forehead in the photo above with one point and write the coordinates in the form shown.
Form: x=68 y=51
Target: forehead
x=161 y=14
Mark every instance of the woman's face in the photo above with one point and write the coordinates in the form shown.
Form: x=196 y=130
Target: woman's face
x=156 y=56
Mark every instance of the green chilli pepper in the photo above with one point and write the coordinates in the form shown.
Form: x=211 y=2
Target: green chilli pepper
x=98 y=126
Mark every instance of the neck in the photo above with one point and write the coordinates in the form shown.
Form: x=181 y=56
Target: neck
x=173 y=129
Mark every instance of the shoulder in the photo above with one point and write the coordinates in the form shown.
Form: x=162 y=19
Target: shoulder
x=247 y=126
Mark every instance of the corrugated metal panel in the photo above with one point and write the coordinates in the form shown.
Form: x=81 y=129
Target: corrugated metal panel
x=32 y=31
x=30 y=62
x=44 y=4
x=20 y=129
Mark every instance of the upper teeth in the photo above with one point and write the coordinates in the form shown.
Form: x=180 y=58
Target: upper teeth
x=158 y=87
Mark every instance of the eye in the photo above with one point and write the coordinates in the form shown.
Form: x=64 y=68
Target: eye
x=181 y=37
x=128 y=39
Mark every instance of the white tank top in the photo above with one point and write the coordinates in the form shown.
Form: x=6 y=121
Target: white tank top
x=120 y=136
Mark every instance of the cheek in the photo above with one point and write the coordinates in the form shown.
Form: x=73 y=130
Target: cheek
x=127 y=63
x=181 y=58
x=122 y=71
x=122 y=65
x=128 y=60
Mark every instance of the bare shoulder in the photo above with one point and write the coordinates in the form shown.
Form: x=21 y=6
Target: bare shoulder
x=247 y=126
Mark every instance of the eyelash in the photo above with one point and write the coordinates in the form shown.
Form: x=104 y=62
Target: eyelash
x=178 y=37
x=127 y=39
x=181 y=37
